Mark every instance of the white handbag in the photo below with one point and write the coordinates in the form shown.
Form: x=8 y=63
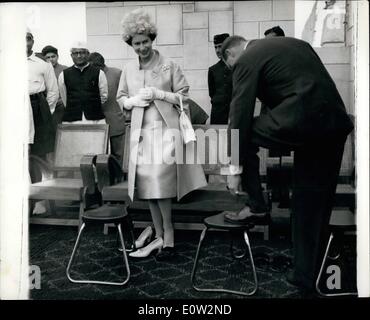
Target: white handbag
x=186 y=128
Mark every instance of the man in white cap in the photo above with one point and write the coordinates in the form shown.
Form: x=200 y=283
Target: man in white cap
x=83 y=88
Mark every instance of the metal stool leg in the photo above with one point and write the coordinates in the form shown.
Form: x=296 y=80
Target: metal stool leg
x=202 y=236
x=74 y=253
x=246 y=239
x=241 y=256
x=339 y=245
x=320 y=274
x=129 y=225
x=125 y=260
x=95 y=281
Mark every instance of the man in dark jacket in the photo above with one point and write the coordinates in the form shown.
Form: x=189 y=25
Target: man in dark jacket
x=83 y=88
x=112 y=112
x=219 y=85
x=305 y=113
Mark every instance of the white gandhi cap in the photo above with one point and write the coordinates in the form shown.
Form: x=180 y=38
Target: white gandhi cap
x=79 y=45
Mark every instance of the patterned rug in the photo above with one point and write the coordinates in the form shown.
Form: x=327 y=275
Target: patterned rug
x=98 y=258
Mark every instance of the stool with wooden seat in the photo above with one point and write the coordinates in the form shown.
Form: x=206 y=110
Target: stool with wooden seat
x=217 y=222
x=116 y=215
x=341 y=222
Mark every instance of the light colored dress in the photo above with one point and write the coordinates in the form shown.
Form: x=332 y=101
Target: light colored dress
x=154 y=180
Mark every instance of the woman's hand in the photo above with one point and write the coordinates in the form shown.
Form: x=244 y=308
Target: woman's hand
x=151 y=93
x=135 y=101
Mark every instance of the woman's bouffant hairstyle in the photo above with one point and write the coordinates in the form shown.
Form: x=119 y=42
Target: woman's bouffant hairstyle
x=137 y=22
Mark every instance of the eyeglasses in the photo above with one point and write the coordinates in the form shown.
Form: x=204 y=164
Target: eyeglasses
x=81 y=53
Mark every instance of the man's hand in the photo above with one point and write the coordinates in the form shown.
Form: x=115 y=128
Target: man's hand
x=234 y=184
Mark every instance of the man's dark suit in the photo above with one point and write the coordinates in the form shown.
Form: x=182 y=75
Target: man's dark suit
x=303 y=112
x=113 y=114
x=219 y=87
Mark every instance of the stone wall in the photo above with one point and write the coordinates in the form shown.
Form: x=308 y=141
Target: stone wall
x=185 y=34
x=185 y=31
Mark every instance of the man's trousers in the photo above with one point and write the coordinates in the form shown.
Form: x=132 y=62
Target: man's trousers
x=315 y=173
x=44 y=126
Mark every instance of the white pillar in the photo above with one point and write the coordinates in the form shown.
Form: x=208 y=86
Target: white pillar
x=13 y=153
x=56 y=24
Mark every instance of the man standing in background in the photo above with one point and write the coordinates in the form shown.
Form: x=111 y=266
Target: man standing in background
x=43 y=91
x=274 y=32
x=112 y=112
x=43 y=97
x=51 y=55
x=219 y=85
x=83 y=88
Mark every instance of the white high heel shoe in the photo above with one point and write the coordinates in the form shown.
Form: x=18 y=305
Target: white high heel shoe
x=144 y=237
x=156 y=244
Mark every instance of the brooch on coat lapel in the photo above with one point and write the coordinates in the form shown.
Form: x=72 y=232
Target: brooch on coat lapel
x=163 y=68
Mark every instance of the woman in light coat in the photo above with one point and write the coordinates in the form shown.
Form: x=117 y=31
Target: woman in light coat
x=150 y=87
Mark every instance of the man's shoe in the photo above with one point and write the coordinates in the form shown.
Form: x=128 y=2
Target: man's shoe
x=245 y=216
x=305 y=291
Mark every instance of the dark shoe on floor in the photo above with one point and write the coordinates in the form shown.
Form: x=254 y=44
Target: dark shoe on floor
x=165 y=254
x=129 y=247
x=306 y=292
x=289 y=277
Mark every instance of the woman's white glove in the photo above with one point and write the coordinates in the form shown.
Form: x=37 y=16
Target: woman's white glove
x=151 y=93
x=135 y=101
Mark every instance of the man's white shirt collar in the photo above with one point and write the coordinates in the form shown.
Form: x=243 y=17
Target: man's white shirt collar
x=83 y=68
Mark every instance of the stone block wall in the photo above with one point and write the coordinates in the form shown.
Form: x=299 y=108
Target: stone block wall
x=186 y=30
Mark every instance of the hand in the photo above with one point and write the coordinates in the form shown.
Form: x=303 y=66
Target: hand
x=136 y=101
x=151 y=93
x=146 y=94
x=234 y=184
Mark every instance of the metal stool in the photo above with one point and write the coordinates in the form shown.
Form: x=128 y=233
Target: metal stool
x=217 y=222
x=116 y=214
x=340 y=223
